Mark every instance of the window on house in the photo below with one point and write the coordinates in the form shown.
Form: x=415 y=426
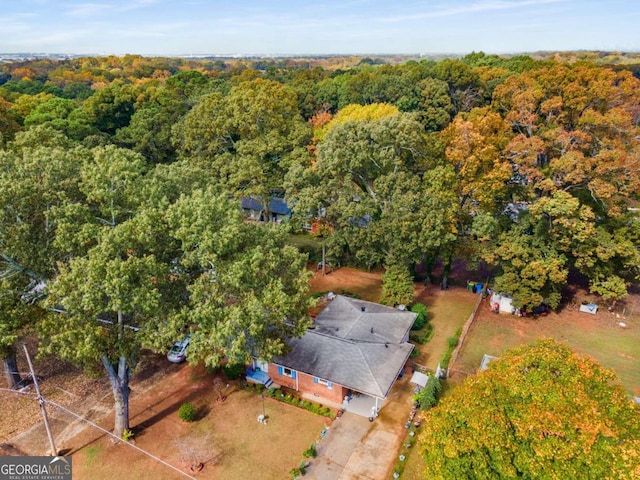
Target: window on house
x=287 y=372
x=322 y=381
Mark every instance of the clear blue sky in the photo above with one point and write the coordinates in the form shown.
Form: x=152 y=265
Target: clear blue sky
x=183 y=27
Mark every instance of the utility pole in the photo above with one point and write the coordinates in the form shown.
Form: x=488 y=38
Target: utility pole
x=43 y=409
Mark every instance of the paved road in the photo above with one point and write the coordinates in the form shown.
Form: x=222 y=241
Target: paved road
x=356 y=449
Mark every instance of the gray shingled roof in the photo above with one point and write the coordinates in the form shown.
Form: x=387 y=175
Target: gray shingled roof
x=354 y=343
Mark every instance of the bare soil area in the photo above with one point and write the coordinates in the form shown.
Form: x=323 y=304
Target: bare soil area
x=346 y=280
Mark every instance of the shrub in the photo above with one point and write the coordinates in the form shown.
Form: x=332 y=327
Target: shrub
x=233 y=371
x=397 y=285
x=310 y=452
x=421 y=319
x=444 y=363
x=127 y=434
x=428 y=396
x=187 y=412
x=324 y=411
x=452 y=343
x=423 y=336
x=319 y=294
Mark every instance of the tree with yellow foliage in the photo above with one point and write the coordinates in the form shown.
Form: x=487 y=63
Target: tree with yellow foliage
x=541 y=411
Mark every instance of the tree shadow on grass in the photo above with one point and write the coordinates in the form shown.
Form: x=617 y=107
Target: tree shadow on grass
x=171 y=409
x=202 y=411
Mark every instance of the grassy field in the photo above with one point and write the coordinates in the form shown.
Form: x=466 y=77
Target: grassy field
x=307 y=244
x=599 y=336
x=448 y=311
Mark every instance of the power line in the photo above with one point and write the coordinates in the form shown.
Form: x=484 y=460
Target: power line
x=44 y=401
x=144 y=452
x=43 y=410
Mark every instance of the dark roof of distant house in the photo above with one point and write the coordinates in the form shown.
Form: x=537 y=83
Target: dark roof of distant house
x=250 y=203
x=354 y=343
x=276 y=205
x=279 y=206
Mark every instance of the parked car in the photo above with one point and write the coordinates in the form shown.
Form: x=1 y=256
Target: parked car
x=178 y=352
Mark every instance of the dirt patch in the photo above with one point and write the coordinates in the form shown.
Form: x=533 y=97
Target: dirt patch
x=227 y=438
x=345 y=280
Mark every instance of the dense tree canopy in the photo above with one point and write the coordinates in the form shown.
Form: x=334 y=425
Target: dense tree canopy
x=541 y=411
x=248 y=138
x=132 y=169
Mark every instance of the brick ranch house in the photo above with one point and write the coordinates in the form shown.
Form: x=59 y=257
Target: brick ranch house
x=350 y=358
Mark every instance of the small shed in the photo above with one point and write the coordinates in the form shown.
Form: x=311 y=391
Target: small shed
x=504 y=302
x=486 y=360
x=420 y=379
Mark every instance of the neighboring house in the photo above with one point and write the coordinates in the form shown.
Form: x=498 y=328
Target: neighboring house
x=277 y=210
x=350 y=358
x=252 y=209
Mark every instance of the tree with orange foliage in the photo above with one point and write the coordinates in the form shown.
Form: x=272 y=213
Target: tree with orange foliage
x=541 y=411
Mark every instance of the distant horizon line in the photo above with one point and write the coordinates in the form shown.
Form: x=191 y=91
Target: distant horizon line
x=306 y=55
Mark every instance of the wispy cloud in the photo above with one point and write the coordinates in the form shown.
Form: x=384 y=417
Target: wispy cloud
x=475 y=7
x=15 y=24
x=92 y=9
x=86 y=9
x=152 y=30
x=136 y=4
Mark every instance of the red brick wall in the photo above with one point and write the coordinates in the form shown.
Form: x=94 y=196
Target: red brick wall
x=306 y=384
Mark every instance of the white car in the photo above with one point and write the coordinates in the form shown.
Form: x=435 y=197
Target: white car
x=178 y=352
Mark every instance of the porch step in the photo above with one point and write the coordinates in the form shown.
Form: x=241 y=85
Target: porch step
x=268 y=383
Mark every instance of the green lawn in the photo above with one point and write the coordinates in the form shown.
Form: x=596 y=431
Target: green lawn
x=448 y=311
x=598 y=336
x=307 y=244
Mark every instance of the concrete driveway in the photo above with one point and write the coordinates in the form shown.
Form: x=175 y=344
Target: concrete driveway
x=356 y=449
